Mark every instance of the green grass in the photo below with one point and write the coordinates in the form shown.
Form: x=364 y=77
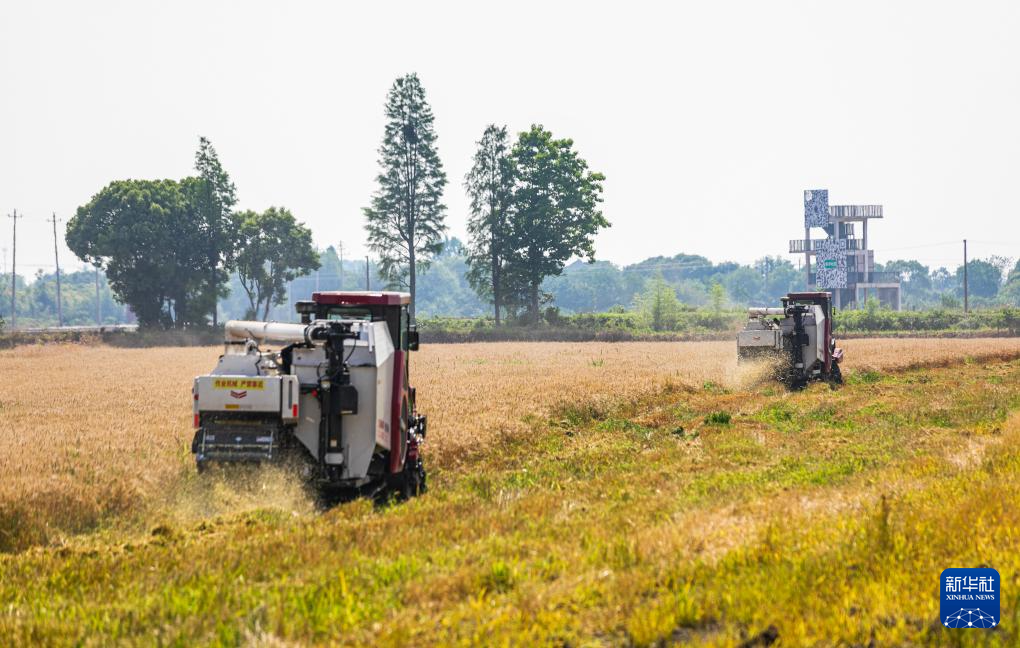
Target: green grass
x=827 y=514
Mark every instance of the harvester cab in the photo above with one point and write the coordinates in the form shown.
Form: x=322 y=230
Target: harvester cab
x=335 y=397
x=796 y=336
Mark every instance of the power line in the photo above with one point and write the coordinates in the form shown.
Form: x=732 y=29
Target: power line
x=995 y=242
x=916 y=247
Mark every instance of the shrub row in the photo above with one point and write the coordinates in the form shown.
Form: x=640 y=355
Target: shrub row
x=705 y=324
x=1003 y=319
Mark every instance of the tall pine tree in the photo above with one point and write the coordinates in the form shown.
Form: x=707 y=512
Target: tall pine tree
x=215 y=203
x=406 y=218
x=489 y=184
x=554 y=214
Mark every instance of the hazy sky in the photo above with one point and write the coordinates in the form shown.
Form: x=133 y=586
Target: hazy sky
x=707 y=118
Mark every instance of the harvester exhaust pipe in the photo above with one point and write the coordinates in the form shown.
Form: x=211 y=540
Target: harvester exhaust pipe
x=241 y=330
x=765 y=312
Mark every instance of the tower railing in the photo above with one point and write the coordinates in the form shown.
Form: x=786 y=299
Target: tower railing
x=854 y=212
x=800 y=246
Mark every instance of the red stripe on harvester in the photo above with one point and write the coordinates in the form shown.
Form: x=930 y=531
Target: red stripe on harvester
x=295 y=411
x=828 y=341
x=196 y=420
x=398 y=392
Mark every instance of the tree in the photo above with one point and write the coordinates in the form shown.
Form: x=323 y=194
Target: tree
x=273 y=250
x=783 y=278
x=943 y=280
x=489 y=184
x=1002 y=264
x=982 y=278
x=915 y=278
x=144 y=233
x=445 y=290
x=406 y=219
x=744 y=285
x=1010 y=293
x=911 y=272
x=658 y=305
x=593 y=287
x=554 y=214
x=718 y=296
x=215 y=199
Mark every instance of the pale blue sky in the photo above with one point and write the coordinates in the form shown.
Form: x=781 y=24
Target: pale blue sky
x=708 y=118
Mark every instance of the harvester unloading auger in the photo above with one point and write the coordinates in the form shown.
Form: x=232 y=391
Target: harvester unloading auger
x=335 y=398
x=797 y=337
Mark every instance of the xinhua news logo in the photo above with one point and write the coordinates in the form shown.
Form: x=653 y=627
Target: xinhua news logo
x=970 y=598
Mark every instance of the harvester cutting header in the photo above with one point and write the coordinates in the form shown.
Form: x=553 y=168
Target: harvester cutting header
x=797 y=336
x=335 y=397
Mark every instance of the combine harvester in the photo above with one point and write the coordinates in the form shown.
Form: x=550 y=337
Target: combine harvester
x=796 y=336
x=335 y=398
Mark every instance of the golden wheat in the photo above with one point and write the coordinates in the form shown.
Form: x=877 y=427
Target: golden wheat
x=90 y=432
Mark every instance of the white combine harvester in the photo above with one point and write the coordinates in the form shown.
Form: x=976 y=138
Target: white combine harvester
x=335 y=397
x=796 y=336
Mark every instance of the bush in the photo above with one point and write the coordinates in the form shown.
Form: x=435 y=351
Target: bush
x=687 y=323
x=939 y=319
x=718 y=418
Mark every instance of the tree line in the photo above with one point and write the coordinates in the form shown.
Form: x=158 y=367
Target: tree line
x=173 y=249
x=661 y=289
x=168 y=246
x=177 y=251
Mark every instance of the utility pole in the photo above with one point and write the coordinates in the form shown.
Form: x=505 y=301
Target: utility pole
x=966 y=296
x=807 y=257
x=3 y=271
x=368 y=281
x=99 y=312
x=14 y=271
x=766 y=266
x=56 y=260
x=340 y=248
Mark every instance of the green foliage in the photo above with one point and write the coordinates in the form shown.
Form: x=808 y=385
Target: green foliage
x=914 y=277
x=214 y=199
x=37 y=301
x=273 y=249
x=405 y=222
x=445 y=287
x=612 y=326
x=554 y=214
x=145 y=234
x=165 y=245
x=947 y=300
x=983 y=278
x=864 y=377
x=718 y=418
x=489 y=185
x=718 y=294
x=658 y=306
x=875 y=319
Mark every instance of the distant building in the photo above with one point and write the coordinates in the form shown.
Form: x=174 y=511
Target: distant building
x=843 y=263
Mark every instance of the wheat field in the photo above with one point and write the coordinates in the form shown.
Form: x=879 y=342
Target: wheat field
x=630 y=494
x=89 y=434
